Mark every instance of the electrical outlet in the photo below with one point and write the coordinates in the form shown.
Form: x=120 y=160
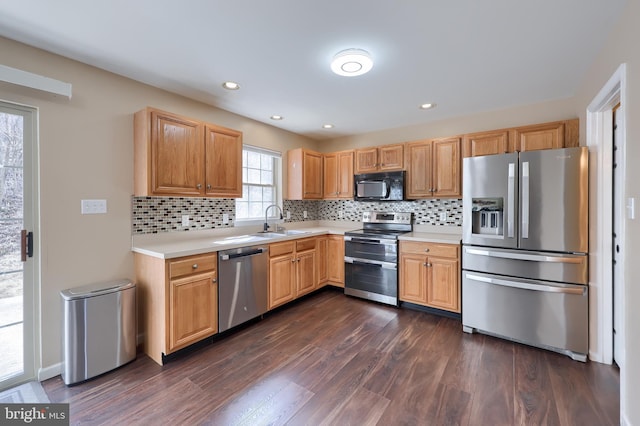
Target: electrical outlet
x=288 y=215
x=93 y=206
x=185 y=220
x=340 y=214
x=443 y=216
x=304 y=214
x=225 y=218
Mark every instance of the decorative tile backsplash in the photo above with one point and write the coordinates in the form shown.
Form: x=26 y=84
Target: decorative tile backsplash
x=164 y=214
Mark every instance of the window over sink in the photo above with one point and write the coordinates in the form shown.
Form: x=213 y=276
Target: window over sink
x=261 y=184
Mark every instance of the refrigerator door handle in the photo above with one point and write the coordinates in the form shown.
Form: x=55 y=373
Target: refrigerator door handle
x=578 y=290
x=511 y=195
x=525 y=200
x=523 y=256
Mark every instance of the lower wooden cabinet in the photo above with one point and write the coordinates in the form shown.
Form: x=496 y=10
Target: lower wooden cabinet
x=292 y=270
x=335 y=260
x=177 y=303
x=430 y=274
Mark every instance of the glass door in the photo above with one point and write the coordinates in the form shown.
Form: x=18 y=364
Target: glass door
x=17 y=213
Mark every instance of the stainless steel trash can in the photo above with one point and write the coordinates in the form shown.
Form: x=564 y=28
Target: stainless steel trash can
x=99 y=329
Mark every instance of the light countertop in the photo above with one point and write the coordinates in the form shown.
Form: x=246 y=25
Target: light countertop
x=169 y=245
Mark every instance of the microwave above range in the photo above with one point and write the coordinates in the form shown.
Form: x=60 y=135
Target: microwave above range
x=385 y=186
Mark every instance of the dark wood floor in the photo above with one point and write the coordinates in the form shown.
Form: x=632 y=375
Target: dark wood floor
x=335 y=360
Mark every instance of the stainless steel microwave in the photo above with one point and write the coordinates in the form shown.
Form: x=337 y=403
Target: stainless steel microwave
x=384 y=186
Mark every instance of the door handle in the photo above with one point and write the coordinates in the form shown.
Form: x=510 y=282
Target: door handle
x=525 y=256
x=525 y=200
x=26 y=245
x=512 y=203
x=579 y=290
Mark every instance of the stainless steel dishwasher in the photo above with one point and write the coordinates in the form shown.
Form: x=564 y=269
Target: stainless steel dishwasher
x=242 y=286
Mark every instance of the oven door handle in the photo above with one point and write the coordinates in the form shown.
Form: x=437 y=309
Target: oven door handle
x=368 y=262
x=386 y=242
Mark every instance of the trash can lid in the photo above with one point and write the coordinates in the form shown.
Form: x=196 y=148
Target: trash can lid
x=96 y=289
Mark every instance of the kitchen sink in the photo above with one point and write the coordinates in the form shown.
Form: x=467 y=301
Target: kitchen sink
x=280 y=233
x=242 y=239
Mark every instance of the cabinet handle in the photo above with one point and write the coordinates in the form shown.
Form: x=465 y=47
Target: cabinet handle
x=198 y=186
x=208 y=186
x=194 y=266
x=426 y=250
x=428 y=265
x=293 y=261
x=298 y=259
x=214 y=280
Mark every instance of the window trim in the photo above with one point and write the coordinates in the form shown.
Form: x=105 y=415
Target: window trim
x=277 y=176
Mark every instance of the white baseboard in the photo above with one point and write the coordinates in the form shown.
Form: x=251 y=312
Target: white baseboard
x=49 y=372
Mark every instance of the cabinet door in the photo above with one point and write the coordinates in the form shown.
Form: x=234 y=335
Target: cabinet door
x=391 y=157
x=330 y=162
x=193 y=309
x=322 y=260
x=541 y=136
x=443 y=284
x=312 y=175
x=281 y=280
x=223 y=164
x=486 y=143
x=345 y=174
x=367 y=160
x=307 y=276
x=413 y=285
x=336 y=260
x=419 y=170
x=177 y=149
x=446 y=168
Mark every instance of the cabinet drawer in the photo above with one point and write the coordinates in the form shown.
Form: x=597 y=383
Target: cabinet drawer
x=430 y=249
x=306 y=244
x=278 y=249
x=192 y=265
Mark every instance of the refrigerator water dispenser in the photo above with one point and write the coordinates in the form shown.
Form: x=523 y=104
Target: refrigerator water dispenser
x=487 y=216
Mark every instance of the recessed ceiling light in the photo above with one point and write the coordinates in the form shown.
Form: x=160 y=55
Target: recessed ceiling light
x=427 y=106
x=277 y=117
x=327 y=126
x=352 y=62
x=230 y=85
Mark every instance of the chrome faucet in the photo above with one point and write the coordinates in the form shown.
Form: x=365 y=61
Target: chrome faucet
x=266 y=218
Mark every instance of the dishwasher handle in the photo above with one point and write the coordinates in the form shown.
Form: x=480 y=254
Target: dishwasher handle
x=246 y=253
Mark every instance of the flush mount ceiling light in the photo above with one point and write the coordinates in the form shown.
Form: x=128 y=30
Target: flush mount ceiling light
x=427 y=106
x=352 y=62
x=327 y=126
x=277 y=117
x=230 y=85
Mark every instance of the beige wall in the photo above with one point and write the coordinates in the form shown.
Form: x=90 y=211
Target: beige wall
x=530 y=114
x=86 y=151
x=622 y=48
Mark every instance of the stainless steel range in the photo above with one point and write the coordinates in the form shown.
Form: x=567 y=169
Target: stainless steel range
x=371 y=256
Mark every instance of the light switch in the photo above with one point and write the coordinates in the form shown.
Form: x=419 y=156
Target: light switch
x=225 y=218
x=443 y=216
x=93 y=206
x=288 y=214
x=304 y=214
x=631 y=208
x=185 y=220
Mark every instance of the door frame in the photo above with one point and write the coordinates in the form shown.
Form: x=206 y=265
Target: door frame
x=31 y=217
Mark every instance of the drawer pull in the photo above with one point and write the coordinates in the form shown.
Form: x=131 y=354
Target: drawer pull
x=194 y=266
x=426 y=250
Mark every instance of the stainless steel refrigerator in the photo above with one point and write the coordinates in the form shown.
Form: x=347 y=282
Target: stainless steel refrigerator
x=525 y=244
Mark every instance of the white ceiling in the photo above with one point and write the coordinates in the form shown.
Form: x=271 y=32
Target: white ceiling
x=466 y=56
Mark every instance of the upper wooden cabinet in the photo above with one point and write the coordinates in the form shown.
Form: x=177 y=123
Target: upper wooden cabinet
x=304 y=174
x=338 y=175
x=178 y=156
x=485 y=143
x=380 y=158
x=223 y=166
x=433 y=168
x=557 y=134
